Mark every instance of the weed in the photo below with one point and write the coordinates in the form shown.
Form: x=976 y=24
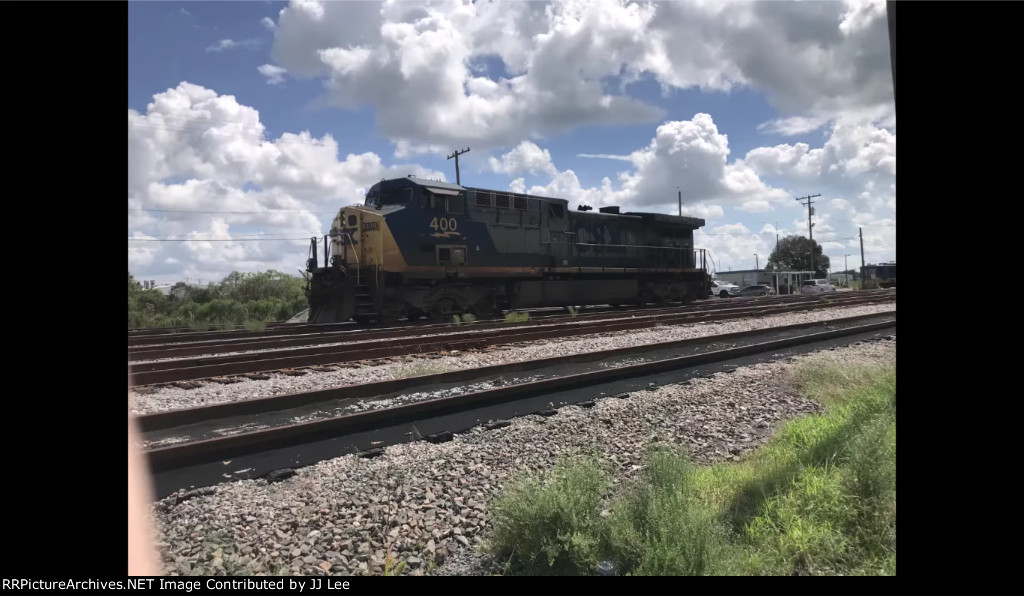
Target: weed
x=419 y=370
x=255 y=325
x=550 y=523
x=661 y=527
x=517 y=317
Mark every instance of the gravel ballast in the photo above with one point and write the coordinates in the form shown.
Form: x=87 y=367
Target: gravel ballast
x=173 y=398
x=430 y=501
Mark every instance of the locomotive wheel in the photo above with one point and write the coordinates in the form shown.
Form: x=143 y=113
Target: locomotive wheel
x=391 y=312
x=644 y=298
x=443 y=310
x=415 y=314
x=362 y=319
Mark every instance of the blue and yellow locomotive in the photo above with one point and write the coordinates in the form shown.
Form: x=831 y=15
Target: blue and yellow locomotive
x=420 y=248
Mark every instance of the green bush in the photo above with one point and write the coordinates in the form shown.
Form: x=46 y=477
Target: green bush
x=550 y=523
x=661 y=527
x=238 y=299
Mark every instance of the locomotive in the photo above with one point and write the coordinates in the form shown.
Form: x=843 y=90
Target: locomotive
x=424 y=248
x=882 y=275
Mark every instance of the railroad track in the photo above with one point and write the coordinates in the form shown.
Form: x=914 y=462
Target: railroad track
x=281 y=340
x=369 y=346
x=214 y=445
x=153 y=338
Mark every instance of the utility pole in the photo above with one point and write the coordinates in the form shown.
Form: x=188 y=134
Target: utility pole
x=757 y=265
x=846 y=267
x=810 y=226
x=680 y=201
x=456 y=155
x=861 y=230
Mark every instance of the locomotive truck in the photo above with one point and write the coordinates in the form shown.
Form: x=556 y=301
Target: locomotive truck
x=424 y=248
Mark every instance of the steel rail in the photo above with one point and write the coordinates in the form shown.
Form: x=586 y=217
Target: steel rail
x=149 y=373
x=162 y=459
x=283 y=329
x=176 y=418
x=212 y=347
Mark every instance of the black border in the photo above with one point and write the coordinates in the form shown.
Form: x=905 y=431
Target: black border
x=65 y=77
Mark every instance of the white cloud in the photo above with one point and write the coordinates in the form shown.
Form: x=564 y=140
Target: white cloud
x=268 y=23
x=756 y=206
x=605 y=156
x=794 y=125
x=196 y=151
x=499 y=73
x=405 y=148
x=687 y=157
x=274 y=74
x=231 y=44
x=526 y=157
x=857 y=163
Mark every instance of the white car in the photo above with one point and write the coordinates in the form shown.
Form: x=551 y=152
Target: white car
x=817 y=286
x=724 y=289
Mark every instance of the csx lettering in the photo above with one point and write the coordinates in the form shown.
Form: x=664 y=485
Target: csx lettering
x=445 y=224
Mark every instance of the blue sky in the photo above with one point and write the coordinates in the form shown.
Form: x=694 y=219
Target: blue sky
x=375 y=78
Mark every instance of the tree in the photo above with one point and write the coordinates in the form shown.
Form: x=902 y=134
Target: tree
x=794 y=254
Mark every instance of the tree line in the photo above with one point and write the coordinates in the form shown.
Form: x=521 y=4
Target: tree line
x=238 y=299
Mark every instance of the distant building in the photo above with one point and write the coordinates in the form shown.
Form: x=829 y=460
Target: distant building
x=164 y=287
x=841 y=278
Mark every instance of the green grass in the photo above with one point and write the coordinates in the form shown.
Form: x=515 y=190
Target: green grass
x=465 y=319
x=818 y=499
x=517 y=317
x=550 y=522
x=255 y=325
x=419 y=370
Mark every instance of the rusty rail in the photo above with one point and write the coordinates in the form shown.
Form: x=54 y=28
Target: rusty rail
x=162 y=459
x=148 y=373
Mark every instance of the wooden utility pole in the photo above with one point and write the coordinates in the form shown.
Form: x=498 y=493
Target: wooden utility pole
x=810 y=226
x=456 y=155
x=861 y=230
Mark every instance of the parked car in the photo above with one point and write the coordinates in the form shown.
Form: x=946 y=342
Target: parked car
x=817 y=286
x=724 y=289
x=758 y=290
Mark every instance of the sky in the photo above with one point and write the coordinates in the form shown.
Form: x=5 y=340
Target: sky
x=251 y=123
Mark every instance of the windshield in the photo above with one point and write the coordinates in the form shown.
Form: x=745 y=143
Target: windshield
x=377 y=196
